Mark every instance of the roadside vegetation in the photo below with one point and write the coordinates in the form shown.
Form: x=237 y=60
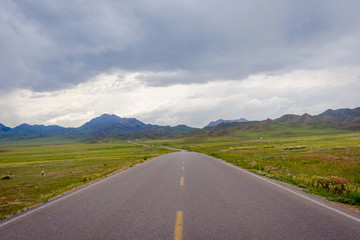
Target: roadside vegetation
x=33 y=174
x=326 y=164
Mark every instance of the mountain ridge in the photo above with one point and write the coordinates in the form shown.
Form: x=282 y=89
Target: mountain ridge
x=288 y=124
x=110 y=125
x=104 y=126
x=219 y=121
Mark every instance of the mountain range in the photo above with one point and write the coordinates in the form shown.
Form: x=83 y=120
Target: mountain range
x=105 y=126
x=217 y=122
x=112 y=126
x=289 y=124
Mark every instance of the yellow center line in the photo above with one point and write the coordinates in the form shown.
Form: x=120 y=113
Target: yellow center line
x=182 y=167
x=183 y=162
x=182 y=181
x=178 y=232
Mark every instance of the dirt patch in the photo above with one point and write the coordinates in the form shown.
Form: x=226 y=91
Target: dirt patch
x=224 y=150
x=271 y=168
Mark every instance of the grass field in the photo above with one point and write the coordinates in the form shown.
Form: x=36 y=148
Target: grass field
x=325 y=164
x=322 y=162
x=33 y=174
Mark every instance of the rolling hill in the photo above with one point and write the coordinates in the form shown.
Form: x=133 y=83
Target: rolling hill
x=112 y=126
x=289 y=125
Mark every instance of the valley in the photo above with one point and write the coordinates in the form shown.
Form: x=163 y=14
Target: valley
x=320 y=154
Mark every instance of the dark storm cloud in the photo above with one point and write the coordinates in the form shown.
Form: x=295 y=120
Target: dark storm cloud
x=54 y=44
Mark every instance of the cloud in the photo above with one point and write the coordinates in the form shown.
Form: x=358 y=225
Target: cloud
x=173 y=62
x=125 y=94
x=49 y=45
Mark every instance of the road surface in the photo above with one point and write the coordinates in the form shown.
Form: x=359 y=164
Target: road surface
x=184 y=195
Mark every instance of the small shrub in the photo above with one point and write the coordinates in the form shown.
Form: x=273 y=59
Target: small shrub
x=334 y=185
x=355 y=196
x=86 y=179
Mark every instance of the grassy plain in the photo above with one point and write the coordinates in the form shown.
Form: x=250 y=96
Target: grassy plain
x=325 y=163
x=33 y=174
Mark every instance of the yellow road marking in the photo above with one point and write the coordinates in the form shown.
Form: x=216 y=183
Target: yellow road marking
x=182 y=181
x=183 y=168
x=178 y=232
x=183 y=162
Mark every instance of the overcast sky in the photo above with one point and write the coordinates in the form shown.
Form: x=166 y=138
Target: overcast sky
x=172 y=62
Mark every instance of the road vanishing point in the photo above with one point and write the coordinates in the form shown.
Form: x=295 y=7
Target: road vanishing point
x=184 y=195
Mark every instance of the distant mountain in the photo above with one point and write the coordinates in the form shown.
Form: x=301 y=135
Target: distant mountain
x=33 y=131
x=107 y=120
x=219 y=121
x=105 y=126
x=340 y=113
x=289 y=124
x=345 y=118
x=292 y=120
x=4 y=128
x=163 y=131
x=112 y=126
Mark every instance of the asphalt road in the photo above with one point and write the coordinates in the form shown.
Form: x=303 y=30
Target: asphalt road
x=184 y=195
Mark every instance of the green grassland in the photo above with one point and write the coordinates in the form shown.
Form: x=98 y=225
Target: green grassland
x=33 y=174
x=322 y=161
x=325 y=162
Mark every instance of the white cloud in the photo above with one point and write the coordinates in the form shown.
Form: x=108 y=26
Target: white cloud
x=303 y=79
x=125 y=94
